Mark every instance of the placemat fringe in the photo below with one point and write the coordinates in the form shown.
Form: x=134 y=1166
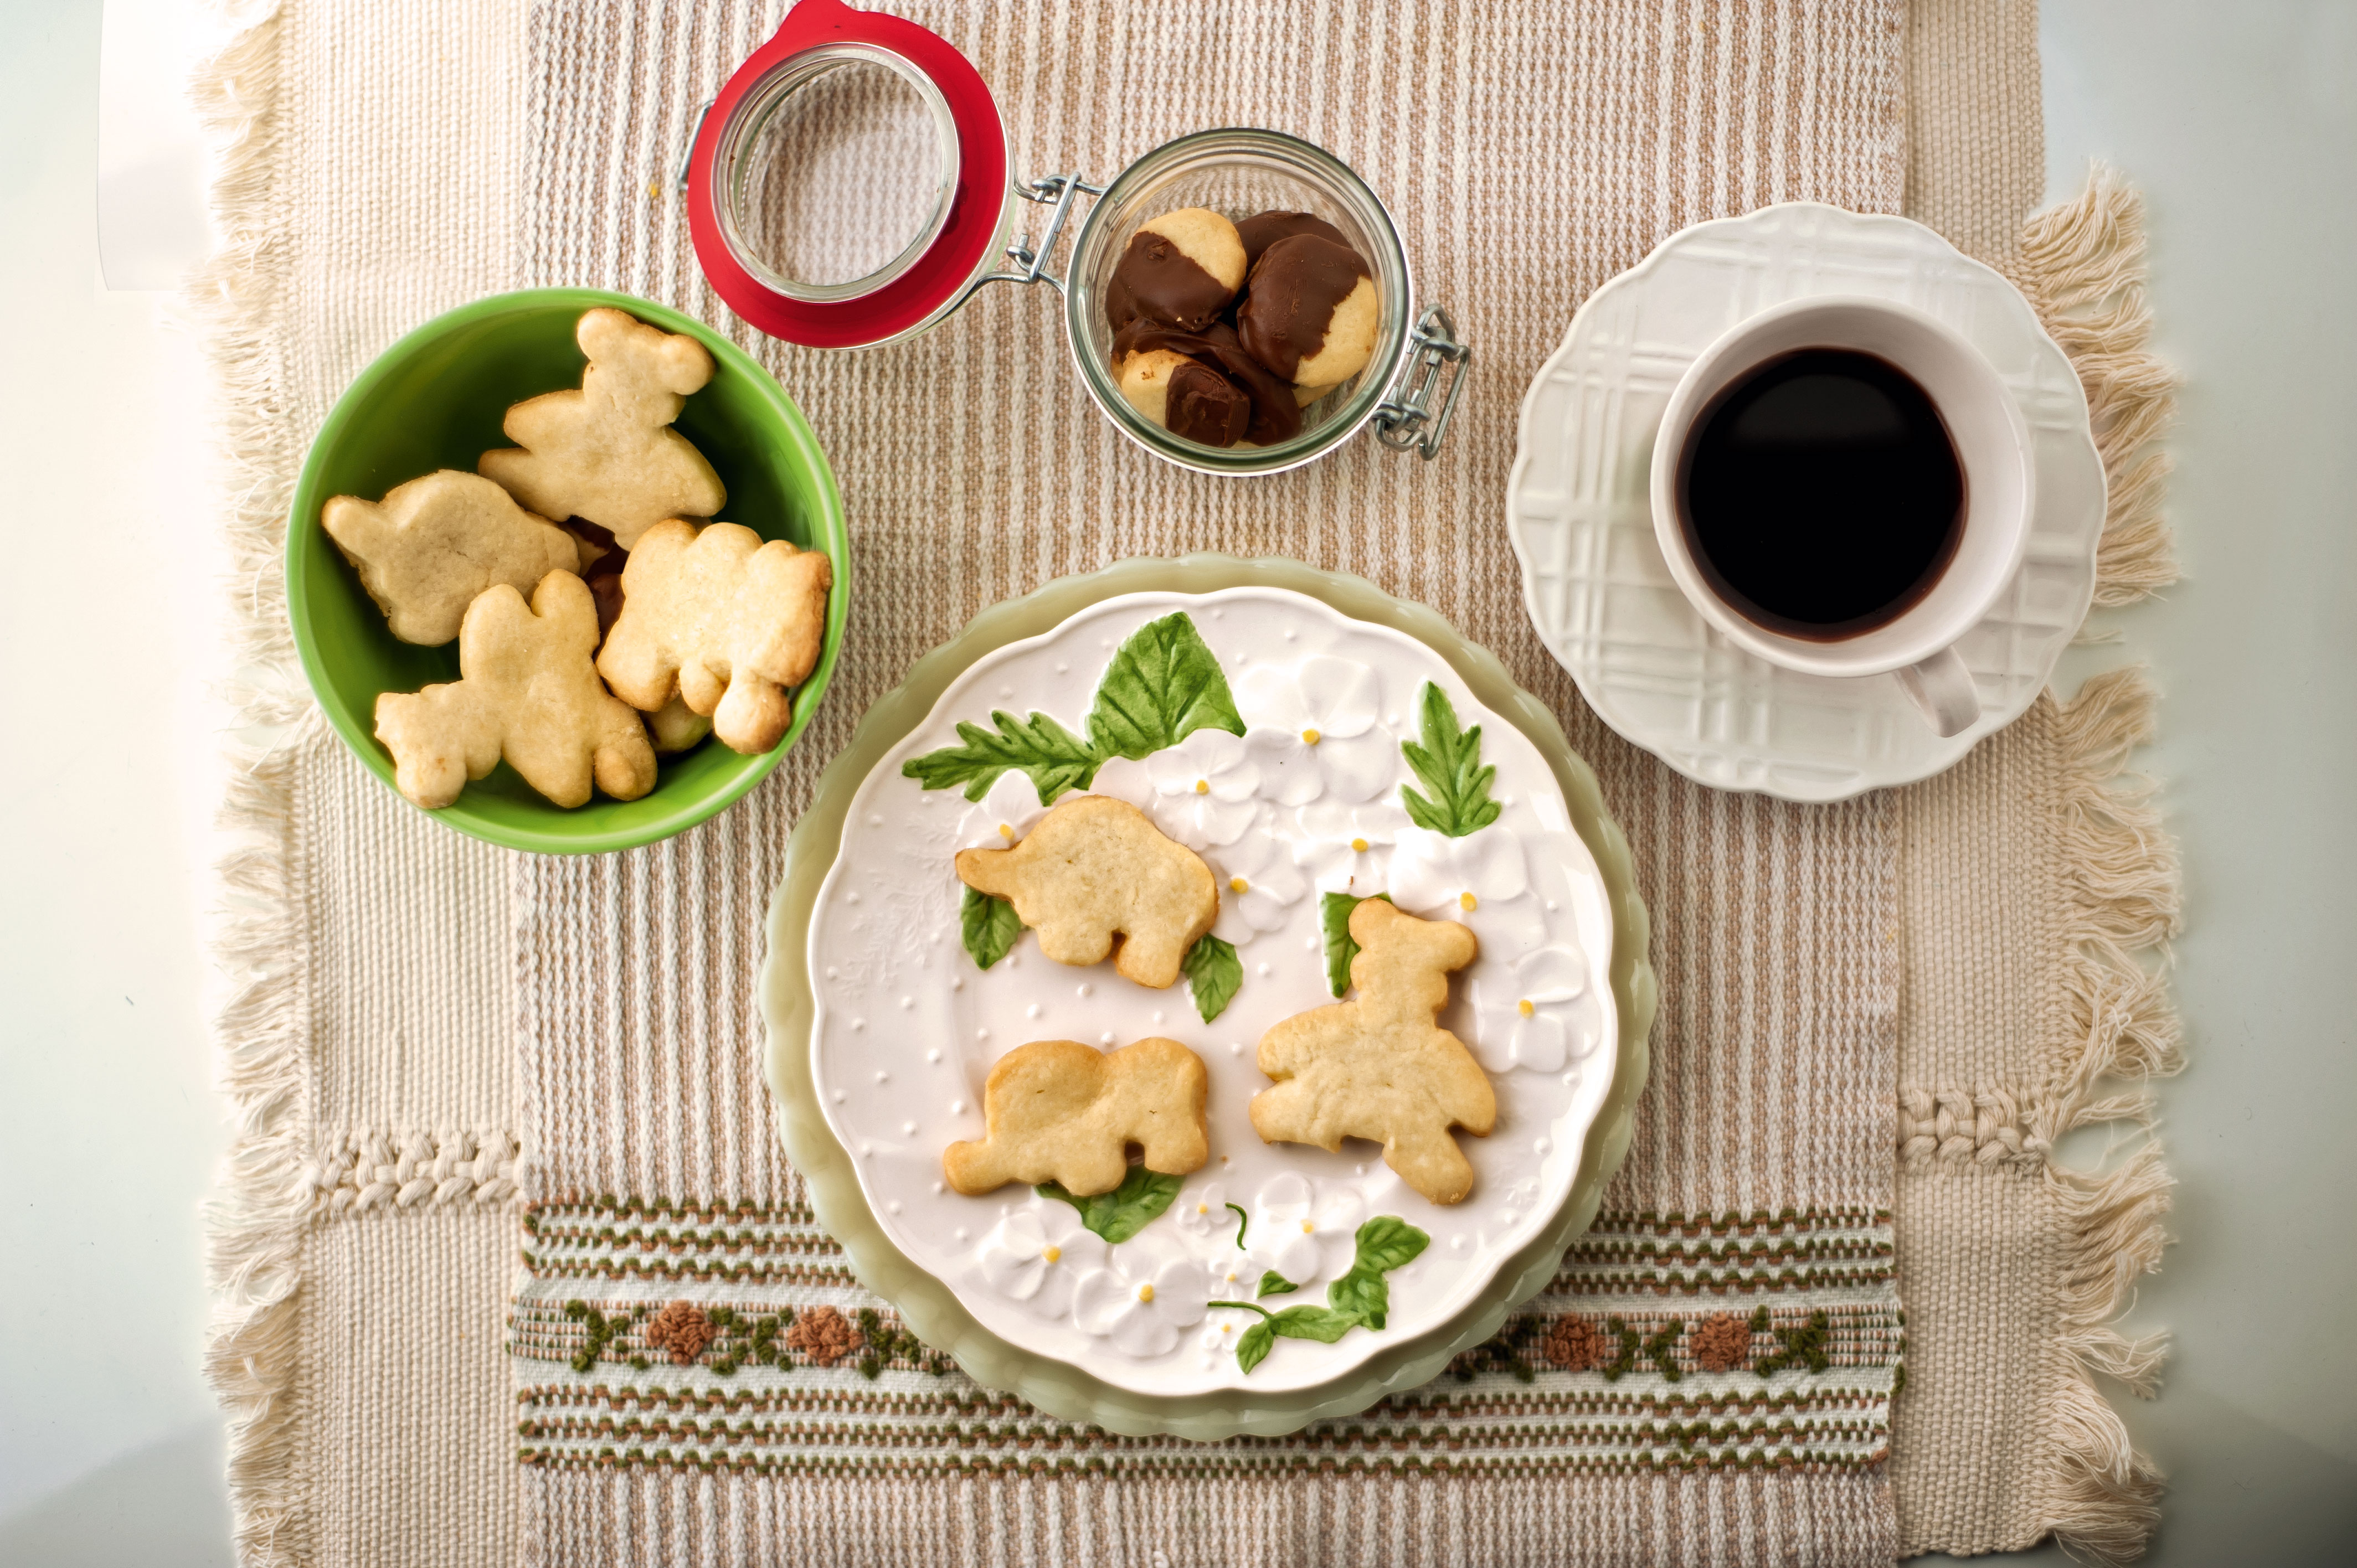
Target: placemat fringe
x=2103 y=1497
x=2083 y=268
x=255 y=1221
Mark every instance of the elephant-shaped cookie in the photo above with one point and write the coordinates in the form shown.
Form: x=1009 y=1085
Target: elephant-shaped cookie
x=1094 y=869
x=1063 y=1112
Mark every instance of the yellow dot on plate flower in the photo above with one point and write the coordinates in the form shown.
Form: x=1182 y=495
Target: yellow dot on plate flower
x=1227 y=1328
x=1309 y=737
x=1360 y=845
x=1006 y=830
x=1467 y=901
x=1237 y=884
x=1306 y=1228
x=1524 y=1007
x=1203 y=786
x=1146 y=1293
x=1202 y=1209
x=1052 y=1253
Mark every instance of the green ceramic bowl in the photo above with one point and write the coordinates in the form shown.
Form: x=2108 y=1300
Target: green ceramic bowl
x=928 y=1306
x=435 y=399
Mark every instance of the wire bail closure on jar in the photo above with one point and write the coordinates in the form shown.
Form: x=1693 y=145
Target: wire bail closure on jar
x=961 y=204
x=1403 y=419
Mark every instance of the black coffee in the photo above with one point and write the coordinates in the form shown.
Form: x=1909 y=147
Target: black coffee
x=1821 y=494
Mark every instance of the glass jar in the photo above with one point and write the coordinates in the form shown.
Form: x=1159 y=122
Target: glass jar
x=849 y=187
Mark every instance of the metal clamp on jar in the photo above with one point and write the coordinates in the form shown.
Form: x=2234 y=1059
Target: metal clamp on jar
x=813 y=112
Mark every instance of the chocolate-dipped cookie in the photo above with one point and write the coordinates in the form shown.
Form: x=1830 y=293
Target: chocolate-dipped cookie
x=1263 y=229
x=1180 y=270
x=1276 y=416
x=1310 y=311
x=1186 y=396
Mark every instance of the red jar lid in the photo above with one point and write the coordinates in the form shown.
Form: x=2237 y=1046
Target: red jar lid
x=905 y=298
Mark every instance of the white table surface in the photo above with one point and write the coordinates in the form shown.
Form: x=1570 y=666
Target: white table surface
x=2239 y=122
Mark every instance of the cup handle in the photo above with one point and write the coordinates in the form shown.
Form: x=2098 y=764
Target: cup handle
x=1942 y=688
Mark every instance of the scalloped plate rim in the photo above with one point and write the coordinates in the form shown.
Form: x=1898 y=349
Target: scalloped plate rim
x=927 y=1305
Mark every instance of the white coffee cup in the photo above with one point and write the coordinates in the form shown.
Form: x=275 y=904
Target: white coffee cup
x=1991 y=444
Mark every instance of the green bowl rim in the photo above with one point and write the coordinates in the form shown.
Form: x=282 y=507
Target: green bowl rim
x=929 y=1306
x=304 y=536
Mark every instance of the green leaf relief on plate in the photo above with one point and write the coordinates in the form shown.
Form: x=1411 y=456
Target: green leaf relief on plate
x=1321 y=1323
x=1128 y=1208
x=1273 y=1283
x=1449 y=765
x=988 y=926
x=1359 y=1299
x=1334 y=921
x=1386 y=1243
x=1213 y=974
x=1163 y=686
x=1055 y=758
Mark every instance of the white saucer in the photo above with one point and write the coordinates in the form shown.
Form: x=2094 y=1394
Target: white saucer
x=1601 y=595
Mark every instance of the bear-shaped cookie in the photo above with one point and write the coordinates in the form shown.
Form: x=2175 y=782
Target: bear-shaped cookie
x=1095 y=868
x=527 y=692
x=432 y=545
x=722 y=620
x=607 y=452
x=1063 y=1112
x=1378 y=1066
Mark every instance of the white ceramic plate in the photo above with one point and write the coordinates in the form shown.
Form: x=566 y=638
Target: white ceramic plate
x=906 y=1027
x=1601 y=594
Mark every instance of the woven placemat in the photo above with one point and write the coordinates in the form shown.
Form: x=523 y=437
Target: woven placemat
x=1757 y=1189
x=391 y=162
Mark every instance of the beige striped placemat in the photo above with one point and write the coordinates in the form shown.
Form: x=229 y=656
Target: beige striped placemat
x=1756 y=1201
x=390 y=161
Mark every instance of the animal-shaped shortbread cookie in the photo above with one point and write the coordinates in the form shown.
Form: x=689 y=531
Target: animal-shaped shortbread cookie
x=1095 y=868
x=527 y=692
x=1377 y=1065
x=431 y=545
x=675 y=726
x=608 y=452
x=722 y=620
x=1063 y=1112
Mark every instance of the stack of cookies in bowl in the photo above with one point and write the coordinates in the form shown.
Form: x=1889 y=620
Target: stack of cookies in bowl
x=640 y=591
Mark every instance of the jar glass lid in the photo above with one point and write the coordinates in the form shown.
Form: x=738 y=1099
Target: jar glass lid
x=849 y=182
x=840 y=170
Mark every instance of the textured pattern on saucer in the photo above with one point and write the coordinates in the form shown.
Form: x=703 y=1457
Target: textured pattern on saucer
x=1602 y=595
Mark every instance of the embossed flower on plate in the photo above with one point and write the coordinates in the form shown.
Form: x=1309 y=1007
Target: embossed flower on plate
x=1142 y=1299
x=1434 y=873
x=1348 y=848
x=1300 y=1236
x=1314 y=731
x=1259 y=885
x=1202 y=1215
x=1535 y=1014
x=1204 y=789
x=1002 y=816
x=1037 y=1254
